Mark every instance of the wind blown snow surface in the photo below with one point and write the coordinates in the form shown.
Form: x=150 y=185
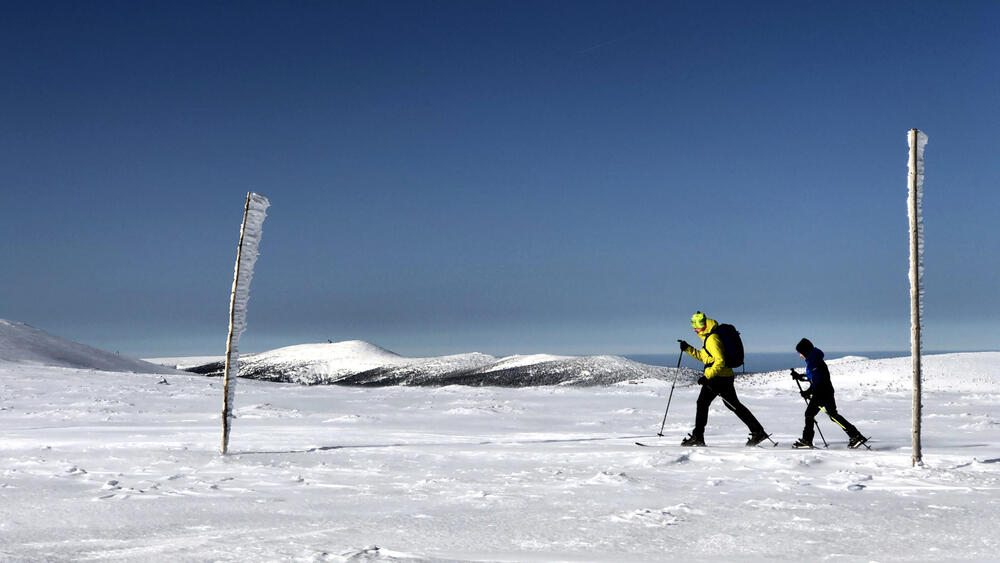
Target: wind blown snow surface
x=115 y=466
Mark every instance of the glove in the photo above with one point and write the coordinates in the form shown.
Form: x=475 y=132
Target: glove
x=806 y=394
x=703 y=380
x=798 y=376
x=684 y=346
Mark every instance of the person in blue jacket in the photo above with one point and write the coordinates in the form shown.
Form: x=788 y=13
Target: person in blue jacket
x=820 y=395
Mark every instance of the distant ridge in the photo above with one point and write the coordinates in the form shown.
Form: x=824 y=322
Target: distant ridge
x=25 y=344
x=360 y=363
x=972 y=372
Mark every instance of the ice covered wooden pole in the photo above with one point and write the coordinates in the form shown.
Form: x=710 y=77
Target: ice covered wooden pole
x=918 y=141
x=246 y=256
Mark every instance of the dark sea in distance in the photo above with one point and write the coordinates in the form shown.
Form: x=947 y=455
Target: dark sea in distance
x=755 y=363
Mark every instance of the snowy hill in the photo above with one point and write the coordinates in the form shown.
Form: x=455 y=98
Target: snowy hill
x=363 y=364
x=328 y=363
x=964 y=372
x=23 y=344
x=360 y=363
x=520 y=371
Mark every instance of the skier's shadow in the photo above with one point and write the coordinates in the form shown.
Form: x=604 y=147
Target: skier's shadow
x=441 y=444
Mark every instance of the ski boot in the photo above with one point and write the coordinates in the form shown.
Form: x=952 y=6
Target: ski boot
x=801 y=444
x=696 y=440
x=756 y=438
x=856 y=441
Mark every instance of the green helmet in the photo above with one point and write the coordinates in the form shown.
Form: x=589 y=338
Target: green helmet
x=698 y=320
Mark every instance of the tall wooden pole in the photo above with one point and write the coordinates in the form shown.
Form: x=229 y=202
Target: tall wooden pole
x=917 y=139
x=226 y=405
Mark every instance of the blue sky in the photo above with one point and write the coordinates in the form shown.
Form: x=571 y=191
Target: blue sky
x=503 y=177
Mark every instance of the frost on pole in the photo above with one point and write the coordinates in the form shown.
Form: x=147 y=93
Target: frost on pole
x=915 y=207
x=246 y=256
x=917 y=140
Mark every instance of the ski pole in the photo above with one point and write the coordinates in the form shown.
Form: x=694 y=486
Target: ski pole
x=731 y=407
x=660 y=433
x=815 y=422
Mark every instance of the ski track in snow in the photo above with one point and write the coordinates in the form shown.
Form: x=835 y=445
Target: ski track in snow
x=106 y=466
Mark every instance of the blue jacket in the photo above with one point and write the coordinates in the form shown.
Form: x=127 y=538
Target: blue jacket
x=816 y=371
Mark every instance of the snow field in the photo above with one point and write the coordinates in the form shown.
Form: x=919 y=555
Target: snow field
x=125 y=467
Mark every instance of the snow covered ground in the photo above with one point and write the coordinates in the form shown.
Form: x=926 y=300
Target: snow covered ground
x=117 y=466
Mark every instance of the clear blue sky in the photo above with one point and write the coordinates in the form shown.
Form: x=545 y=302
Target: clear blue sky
x=503 y=177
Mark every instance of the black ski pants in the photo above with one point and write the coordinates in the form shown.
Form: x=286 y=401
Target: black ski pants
x=823 y=397
x=722 y=387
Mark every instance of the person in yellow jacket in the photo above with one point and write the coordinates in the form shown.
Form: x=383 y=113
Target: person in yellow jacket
x=717 y=381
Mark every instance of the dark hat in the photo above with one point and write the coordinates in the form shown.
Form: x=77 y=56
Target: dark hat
x=804 y=347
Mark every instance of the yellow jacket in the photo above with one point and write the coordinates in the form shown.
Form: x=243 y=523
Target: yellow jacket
x=711 y=353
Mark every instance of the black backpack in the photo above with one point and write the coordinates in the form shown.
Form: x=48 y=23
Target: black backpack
x=732 y=345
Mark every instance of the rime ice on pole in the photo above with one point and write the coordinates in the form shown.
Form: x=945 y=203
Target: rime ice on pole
x=256 y=213
x=916 y=213
x=917 y=141
x=246 y=256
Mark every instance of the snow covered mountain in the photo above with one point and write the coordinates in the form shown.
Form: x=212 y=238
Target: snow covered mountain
x=363 y=364
x=968 y=372
x=326 y=363
x=24 y=344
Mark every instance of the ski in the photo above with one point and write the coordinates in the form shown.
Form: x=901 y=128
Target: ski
x=768 y=438
x=775 y=446
x=686 y=447
x=862 y=443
